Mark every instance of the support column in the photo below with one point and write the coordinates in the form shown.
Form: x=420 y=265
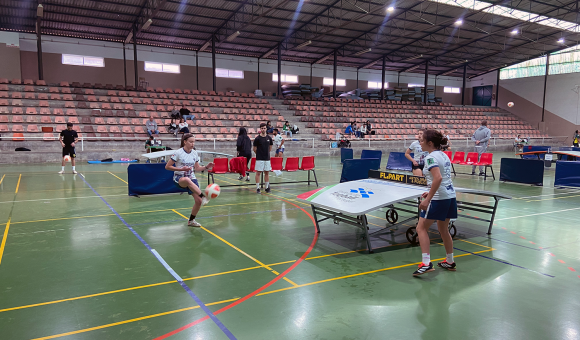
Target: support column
x=334 y=71
x=39 y=50
x=357 y=78
x=426 y=81
x=463 y=87
x=279 y=71
x=125 y=64
x=398 y=79
x=310 y=74
x=197 y=70
x=135 y=57
x=497 y=88
x=213 y=63
x=545 y=85
x=258 y=73
x=383 y=77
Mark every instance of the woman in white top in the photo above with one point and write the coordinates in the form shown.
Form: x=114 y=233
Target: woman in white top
x=363 y=130
x=418 y=155
x=438 y=204
x=184 y=163
x=183 y=127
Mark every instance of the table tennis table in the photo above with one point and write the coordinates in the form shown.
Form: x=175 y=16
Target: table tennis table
x=349 y=202
x=559 y=153
x=162 y=154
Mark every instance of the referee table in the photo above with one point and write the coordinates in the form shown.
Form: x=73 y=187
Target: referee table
x=349 y=202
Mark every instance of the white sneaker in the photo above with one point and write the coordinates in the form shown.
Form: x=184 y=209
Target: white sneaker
x=204 y=201
x=193 y=223
x=75 y=172
x=61 y=172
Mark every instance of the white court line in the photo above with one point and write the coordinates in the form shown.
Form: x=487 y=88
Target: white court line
x=544 y=213
x=65 y=198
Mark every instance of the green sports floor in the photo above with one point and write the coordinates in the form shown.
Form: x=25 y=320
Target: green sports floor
x=71 y=268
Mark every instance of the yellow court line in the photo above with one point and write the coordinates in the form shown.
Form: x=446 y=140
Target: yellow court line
x=2 y=178
x=4 y=240
x=18 y=184
x=236 y=248
x=118 y=177
x=129 y=213
x=234 y=299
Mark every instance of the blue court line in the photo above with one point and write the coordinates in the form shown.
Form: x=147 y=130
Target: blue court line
x=169 y=269
x=495 y=239
x=504 y=262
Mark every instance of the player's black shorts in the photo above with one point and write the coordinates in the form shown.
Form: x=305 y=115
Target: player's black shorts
x=69 y=150
x=420 y=166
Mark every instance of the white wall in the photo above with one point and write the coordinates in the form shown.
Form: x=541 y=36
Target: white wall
x=114 y=50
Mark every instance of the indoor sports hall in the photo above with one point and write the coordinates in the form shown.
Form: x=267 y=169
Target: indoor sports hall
x=106 y=106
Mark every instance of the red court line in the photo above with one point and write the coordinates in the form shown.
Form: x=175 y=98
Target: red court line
x=561 y=261
x=237 y=302
x=572 y=269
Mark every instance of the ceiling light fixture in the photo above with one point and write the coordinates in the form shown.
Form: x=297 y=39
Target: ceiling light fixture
x=413 y=58
x=363 y=51
x=304 y=44
x=448 y=72
x=413 y=68
x=390 y=9
x=561 y=40
x=323 y=59
x=147 y=24
x=370 y=64
x=459 y=22
x=233 y=36
x=457 y=62
x=204 y=46
x=515 y=31
x=129 y=37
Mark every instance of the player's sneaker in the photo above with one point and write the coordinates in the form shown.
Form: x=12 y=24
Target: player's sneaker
x=240 y=178
x=482 y=174
x=268 y=189
x=204 y=201
x=61 y=172
x=75 y=172
x=473 y=173
x=247 y=179
x=423 y=268
x=258 y=191
x=446 y=265
x=193 y=223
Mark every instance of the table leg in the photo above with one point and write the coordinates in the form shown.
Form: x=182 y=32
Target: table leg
x=315 y=218
x=363 y=219
x=492 y=215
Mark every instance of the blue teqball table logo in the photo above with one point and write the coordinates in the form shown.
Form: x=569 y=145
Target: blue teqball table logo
x=363 y=193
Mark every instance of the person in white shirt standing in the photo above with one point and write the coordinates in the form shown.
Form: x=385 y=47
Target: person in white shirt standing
x=279 y=143
x=481 y=138
x=418 y=155
x=438 y=204
x=184 y=163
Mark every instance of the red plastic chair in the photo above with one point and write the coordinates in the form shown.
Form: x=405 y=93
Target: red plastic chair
x=458 y=157
x=448 y=153
x=472 y=158
x=486 y=160
x=253 y=165
x=307 y=163
x=276 y=163
x=220 y=166
x=292 y=164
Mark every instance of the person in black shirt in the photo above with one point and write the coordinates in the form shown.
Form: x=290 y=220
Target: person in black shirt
x=186 y=114
x=262 y=148
x=244 y=149
x=68 y=138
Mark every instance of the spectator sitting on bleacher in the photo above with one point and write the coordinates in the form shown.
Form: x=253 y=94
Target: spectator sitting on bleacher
x=481 y=136
x=183 y=126
x=349 y=130
x=175 y=113
x=287 y=129
x=363 y=130
x=446 y=147
x=356 y=130
x=519 y=143
x=152 y=127
x=186 y=114
x=269 y=127
x=369 y=128
x=172 y=127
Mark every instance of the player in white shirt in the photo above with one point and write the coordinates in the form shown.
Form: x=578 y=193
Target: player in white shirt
x=419 y=155
x=279 y=143
x=184 y=163
x=439 y=204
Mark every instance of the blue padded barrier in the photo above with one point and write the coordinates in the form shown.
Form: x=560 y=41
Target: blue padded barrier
x=398 y=161
x=567 y=174
x=346 y=154
x=151 y=179
x=371 y=154
x=527 y=171
x=355 y=169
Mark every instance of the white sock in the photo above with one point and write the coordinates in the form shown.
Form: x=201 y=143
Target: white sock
x=257 y=185
x=267 y=184
x=63 y=168
x=73 y=167
x=426 y=258
x=449 y=258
